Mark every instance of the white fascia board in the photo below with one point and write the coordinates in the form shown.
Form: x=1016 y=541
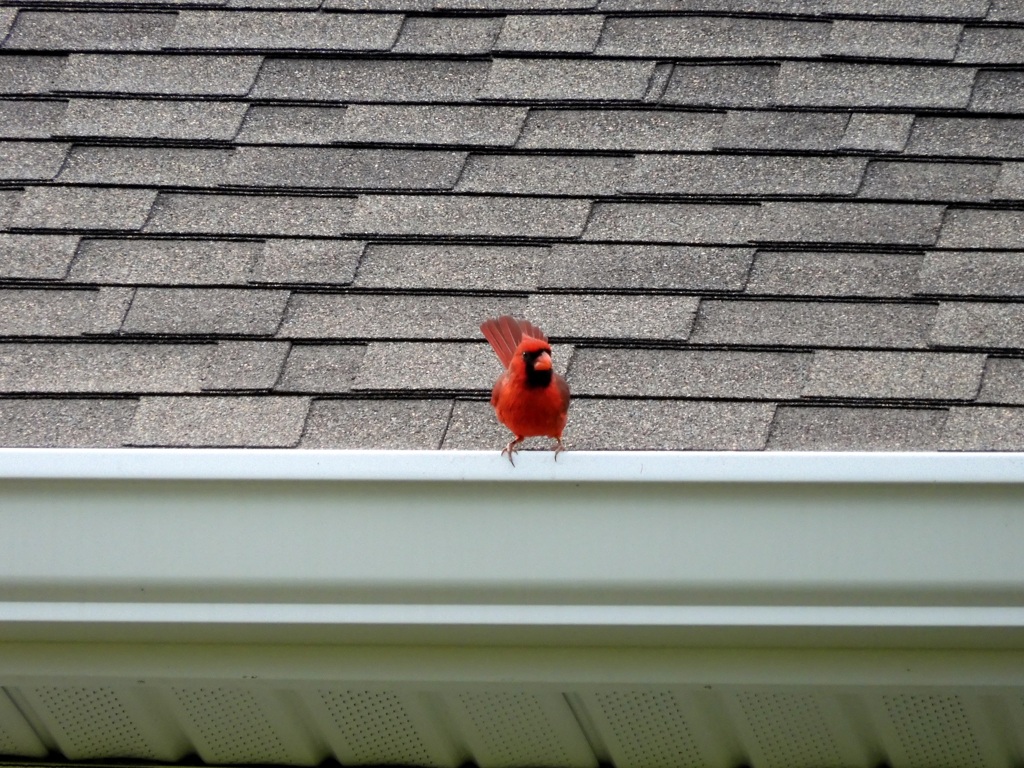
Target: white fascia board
x=460 y=547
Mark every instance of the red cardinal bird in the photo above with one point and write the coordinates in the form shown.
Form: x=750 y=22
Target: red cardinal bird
x=529 y=397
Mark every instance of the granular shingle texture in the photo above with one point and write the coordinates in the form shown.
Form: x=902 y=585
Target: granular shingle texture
x=151 y=119
x=281 y=222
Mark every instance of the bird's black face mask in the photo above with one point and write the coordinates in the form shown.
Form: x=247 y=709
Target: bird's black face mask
x=535 y=377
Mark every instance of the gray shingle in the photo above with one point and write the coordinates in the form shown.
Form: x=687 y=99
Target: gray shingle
x=364 y=316
x=6 y=21
x=567 y=80
x=649 y=267
x=293 y=125
x=814 y=222
x=62 y=367
x=30 y=74
x=679 y=222
x=205 y=311
x=616 y=317
x=622 y=130
x=894 y=375
x=245 y=365
x=893 y=40
x=978 y=324
x=1006 y=10
x=321 y=368
x=836 y=84
x=321 y=262
x=36 y=257
x=984 y=429
x=972 y=273
x=955 y=9
x=85 y=208
x=998 y=91
x=31 y=160
x=576 y=33
x=513 y=5
x=376 y=424
x=869 y=132
x=377 y=5
x=688 y=373
x=50 y=423
x=722 y=85
x=543 y=174
x=474 y=427
x=812 y=324
x=893 y=180
x=10 y=199
x=808 y=7
x=462 y=36
x=1003 y=381
x=460 y=267
x=991 y=45
x=153 y=166
x=967 y=137
x=29 y=118
x=131 y=5
x=821 y=428
x=1011 y=182
x=795 y=7
x=387 y=80
x=146 y=119
x=782 y=130
x=290 y=30
x=978 y=228
x=711 y=37
x=787 y=273
x=230 y=422
x=177 y=75
x=746 y=175
x=249 y=214
x=163 y=262
x=390 y=366
x=327 y=168
x=287 y=5
x=626 y=425
x=483 y=126
x=659 y=82
x=666 y=425
x=49 y=312
x=64 y=31
x=460 y=216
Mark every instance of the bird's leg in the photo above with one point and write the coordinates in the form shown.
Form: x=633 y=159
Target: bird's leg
x=558 y=447
x=511 y=448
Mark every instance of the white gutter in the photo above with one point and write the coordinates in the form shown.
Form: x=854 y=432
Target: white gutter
x=753 y=549
x=488 y=466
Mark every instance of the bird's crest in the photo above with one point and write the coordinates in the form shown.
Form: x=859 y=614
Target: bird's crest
x=505 y=334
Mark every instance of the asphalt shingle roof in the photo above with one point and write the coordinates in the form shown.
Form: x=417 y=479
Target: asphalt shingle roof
x=280 y=222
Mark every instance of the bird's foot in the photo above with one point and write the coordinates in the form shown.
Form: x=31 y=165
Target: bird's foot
x=559 y=447
x=511 y=448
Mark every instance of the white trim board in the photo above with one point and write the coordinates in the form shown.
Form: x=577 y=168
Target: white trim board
x=571 y=466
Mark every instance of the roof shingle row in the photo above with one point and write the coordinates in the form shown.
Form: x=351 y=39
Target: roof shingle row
x=277 y=421
x=280 y=222
x=272 y=313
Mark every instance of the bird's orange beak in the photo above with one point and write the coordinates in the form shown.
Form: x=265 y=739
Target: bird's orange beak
x=543 y=362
